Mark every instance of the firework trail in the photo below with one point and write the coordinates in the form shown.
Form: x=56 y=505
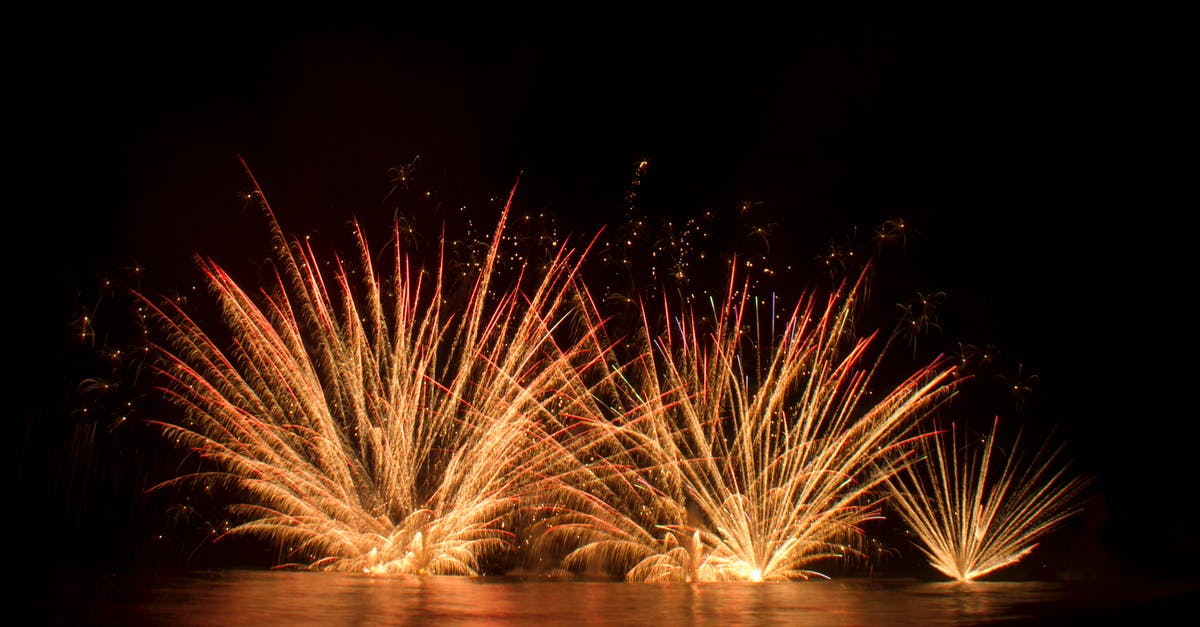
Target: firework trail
x=969 y=523
x=738 y=453
x=362 y=426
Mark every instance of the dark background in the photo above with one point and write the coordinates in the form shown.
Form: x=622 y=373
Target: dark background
x=1025 y=143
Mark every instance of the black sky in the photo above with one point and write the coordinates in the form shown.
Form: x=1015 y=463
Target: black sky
x=1022 y=141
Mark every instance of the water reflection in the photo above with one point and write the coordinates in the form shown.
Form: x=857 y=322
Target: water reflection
x=299 y=598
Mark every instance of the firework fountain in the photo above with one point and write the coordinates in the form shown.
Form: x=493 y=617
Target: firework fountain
x=742 y=452
x=362 y=425
x=969 y=521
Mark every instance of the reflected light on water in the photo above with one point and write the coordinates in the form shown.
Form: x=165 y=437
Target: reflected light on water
x=296 y=598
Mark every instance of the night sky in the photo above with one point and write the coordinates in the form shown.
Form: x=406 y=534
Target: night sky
x=1021 y=141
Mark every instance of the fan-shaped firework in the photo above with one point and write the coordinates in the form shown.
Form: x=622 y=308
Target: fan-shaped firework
x=360 y=424
x=375 y=422
x=739 y=453
x=969 y=522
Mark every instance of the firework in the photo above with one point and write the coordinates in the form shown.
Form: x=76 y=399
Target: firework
x=969 y=522
x=738 y=452
x=380 y=422
x=361 y=425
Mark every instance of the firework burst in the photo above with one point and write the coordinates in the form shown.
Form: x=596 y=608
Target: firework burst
x=969 y=522
x=738 y=452
x=360 y=424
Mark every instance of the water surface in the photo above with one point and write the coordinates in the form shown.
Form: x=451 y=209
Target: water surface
x=248 y=597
